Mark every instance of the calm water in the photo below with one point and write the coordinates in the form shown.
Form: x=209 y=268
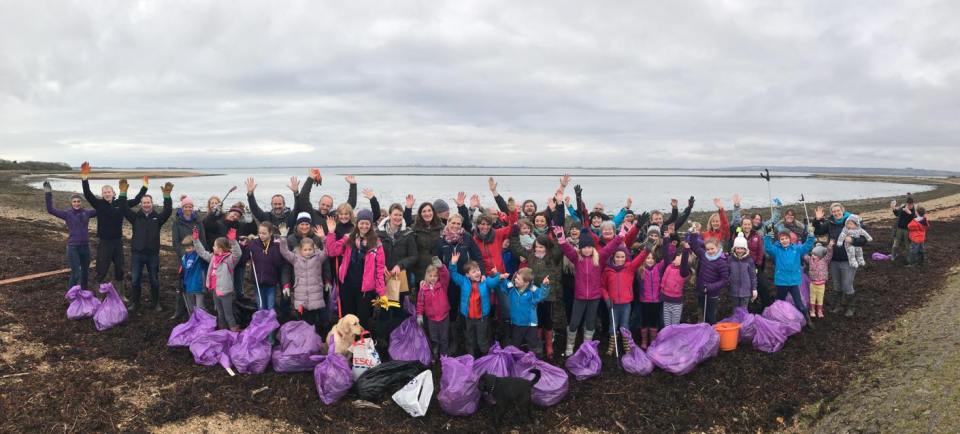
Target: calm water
x=650 y=189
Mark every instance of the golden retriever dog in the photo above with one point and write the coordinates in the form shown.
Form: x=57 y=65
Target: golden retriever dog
x=344 y=333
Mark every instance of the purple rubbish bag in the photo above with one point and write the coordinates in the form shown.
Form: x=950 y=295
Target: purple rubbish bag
x=459 y=392
x=498 y=361
x=554 y=382
x=635 y=361
x=681 y=347
x=211 y=348
x=783 y=312
x=111 y=310
x=877 y=256
x=251 y=353
x=585 y=363
x=745 y=319
x=298 y=341
x=199 y=324
x=333 y=377
x=82 y=303
x=770 y=335
x=804 y=291
x=408 y=342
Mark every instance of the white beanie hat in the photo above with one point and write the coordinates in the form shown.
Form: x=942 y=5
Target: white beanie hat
x=740 y=241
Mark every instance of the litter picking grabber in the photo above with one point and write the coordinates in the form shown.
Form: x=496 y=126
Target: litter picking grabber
x=805 y=213
x=256 y=282
x=766 y=175
x=613 y=325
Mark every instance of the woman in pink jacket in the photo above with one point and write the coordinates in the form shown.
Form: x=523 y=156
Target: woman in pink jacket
x=361 y=268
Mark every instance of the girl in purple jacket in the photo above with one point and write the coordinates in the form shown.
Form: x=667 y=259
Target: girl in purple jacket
x=78 y=240
x=713 y=273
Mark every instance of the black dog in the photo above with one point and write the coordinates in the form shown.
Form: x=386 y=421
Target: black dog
x=509 y=392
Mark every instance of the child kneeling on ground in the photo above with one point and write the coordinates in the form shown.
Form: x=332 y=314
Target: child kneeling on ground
x=524 y=297
x=225 y=256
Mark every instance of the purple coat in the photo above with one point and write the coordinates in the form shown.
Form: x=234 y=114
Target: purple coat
x=78 y=221
x=743 y=276
x=268 y=262
x=712 y=276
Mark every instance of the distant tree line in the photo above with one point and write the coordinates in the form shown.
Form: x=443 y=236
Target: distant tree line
x=33 y=165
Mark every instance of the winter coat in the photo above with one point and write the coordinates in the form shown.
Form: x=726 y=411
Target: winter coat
x=756 y=248
x=551 y=265
x=191 y=272
x=712 y=276
x=674 y=278
x=649 y=282
x=787 y=260
x=77 y=220
x=224 y=270
x=904 y=216
x=722 y=234
x=492 y=251
x=819 y=268
x=302 y=204
x=485 y=287
x=109 y=216
x=308 y=277
x=432 y=299
x=426 y=238
x=832 y=228
x=267 y=261
x=743 y=276
x=918 y=230
x=146 y=227
x=285 y=217
x=588 y=283
x=400 y=248
x=523 y=305
x=182 y=228
x=373 y=263
x=617 y=281
x=466 y=247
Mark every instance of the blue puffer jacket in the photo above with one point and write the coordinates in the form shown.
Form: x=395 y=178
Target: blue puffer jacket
x=192 y=268
x=788 y=260
x=523 y=305
x=485 y=286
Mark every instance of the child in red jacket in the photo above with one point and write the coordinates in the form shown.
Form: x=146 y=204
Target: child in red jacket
x=432 y=302
x=617 y=281
x=917 y=232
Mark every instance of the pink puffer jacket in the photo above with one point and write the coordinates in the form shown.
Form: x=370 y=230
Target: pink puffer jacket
x=373 y=263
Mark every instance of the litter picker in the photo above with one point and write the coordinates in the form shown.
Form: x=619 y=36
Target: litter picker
x=766 y=175
x=613 y=326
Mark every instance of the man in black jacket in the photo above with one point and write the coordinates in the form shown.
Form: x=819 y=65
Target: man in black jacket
x=904 y=214
x=145 y=246
x=109 y=227
x=280 y=214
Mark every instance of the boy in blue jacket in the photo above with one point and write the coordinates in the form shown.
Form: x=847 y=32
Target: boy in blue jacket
x=788 y=271
x=524 y=296
x=191 y=276
x=474 y=302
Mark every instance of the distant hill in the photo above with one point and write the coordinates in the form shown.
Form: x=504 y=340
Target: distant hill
x=33 y=165
x=907 y=171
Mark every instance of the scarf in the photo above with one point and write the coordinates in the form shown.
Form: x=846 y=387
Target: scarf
x=538 y=232
x=485 y=238
x=452 y=237
x=715 y=256
x=214 y=265
x=526 y=241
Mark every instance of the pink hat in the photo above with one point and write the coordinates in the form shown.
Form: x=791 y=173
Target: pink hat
x=185 y=200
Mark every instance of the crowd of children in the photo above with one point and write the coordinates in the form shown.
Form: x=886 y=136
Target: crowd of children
x=509 y=273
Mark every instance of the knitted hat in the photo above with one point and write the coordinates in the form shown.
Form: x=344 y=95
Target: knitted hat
x=653 y=229
x=598 y=214
x=440 y=206
x=185 y=200
x=586 y=241
x=304 y=218
x=365 y=214
x=76 y=196
x=740 y=242
x=237 y=208
x=819 y=251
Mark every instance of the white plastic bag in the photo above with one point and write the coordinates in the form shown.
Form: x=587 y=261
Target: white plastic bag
x=365 y=355
x=414 y=398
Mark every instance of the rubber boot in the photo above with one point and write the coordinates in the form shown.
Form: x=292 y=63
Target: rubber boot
x=819 y=311
x=571 y=341
x=644 y=343
x=812 y=309
x=548 y=343
x=625 y=344
x=850 y=304
x=588 y=335
x=809 y=320
x=839 y=305
x=611 y=345
x=125 y=291
x=181 y=307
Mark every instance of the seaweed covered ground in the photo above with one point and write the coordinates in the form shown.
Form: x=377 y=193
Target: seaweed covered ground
x=61 y=375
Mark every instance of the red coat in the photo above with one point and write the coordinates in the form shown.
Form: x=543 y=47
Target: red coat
x=618 y=284
x=723 y=234
x=917 y=231
x=493 y=251
x=373 y=263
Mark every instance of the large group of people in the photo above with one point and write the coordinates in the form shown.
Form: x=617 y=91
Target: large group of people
x=515 y=272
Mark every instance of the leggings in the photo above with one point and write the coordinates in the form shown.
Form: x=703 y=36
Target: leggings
x=650 y=314
x=816 y=293
x=193 y=300
x=585 y=311
x=224 y=305
x=671 y=313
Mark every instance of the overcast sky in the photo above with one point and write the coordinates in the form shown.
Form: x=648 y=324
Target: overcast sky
x=679 y=83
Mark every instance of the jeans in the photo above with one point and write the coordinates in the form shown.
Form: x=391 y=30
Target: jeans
x=621 y=315
x=267 y=297
x=794 y=291
x=916 y=254
x=152 y=262
x=79 y=259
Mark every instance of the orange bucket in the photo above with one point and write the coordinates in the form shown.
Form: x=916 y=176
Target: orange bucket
x=729 y=332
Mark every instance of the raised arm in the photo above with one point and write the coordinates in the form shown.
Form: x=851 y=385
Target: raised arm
x=167 y=203
x=285 y=251
x=352 y=192
x=252 y=202
x=92 y=199
x=682 y=220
